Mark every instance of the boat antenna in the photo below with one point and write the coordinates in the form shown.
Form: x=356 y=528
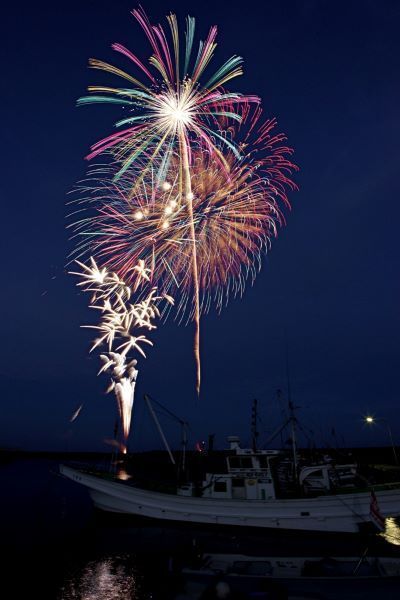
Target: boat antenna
x=254 y=419
x=184 y=444
x=292 y=417
x=280 y=428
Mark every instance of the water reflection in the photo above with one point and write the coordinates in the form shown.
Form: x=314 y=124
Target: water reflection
x=123 y=475
x=392 y=531
x=111 y=578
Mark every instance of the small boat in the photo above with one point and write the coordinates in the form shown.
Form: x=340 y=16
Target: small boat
x=284 y=567
x=283 y=577
x=247 y=495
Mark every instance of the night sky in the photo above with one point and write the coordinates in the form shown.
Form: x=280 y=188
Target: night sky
x=329 y=72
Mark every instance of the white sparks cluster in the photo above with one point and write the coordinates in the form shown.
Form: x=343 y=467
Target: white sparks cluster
x=119 y=328
x=176 y=110
x=172 y=206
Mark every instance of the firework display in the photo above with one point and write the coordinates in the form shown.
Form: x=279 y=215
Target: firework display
x=193 y=183
x=233 y=220
x=121 y=321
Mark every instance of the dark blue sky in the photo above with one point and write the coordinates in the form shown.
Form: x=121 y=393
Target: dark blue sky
x=329 y=71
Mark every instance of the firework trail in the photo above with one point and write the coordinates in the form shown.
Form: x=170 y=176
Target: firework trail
x=182 y=152
x=76 y=414
x=120 y=320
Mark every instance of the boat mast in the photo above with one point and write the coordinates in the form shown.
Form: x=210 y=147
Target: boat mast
x=254 y=432
x=292 y=417
x=184 y=444
x=293 y=436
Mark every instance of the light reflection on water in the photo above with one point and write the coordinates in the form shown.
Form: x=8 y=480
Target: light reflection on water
x=123 y=475
x=392 y=531
x=104 y=579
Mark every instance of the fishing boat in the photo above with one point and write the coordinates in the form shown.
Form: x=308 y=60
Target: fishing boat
x=248 y=494
x=256 y=488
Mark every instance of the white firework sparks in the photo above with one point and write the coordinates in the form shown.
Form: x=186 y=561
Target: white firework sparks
x=120 y=322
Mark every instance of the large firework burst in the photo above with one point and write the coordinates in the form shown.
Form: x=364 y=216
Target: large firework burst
x=173 y=108
x=181 y=187
x=234 y=218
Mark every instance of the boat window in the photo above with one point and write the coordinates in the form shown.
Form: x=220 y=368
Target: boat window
x=316 y=473
x=240 y=462
x=263 y=462
x=220 y=486
x=238 y=482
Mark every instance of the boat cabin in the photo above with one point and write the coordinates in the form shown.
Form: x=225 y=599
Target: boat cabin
x=257 y=475
x=248 y=476
x=323 y=478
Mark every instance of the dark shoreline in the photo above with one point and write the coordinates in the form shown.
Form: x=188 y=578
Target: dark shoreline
x=364 y=455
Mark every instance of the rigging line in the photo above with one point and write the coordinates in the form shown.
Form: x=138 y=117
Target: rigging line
x=163 y=413
x=159 y=428
x=308 y=437
x=169 y=412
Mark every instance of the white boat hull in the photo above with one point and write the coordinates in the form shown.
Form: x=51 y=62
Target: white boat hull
x=334 y=513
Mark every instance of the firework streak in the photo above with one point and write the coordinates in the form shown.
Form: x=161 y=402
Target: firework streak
x=192 y=181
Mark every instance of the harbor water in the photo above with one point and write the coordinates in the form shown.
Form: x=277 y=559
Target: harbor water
x=55 y=545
